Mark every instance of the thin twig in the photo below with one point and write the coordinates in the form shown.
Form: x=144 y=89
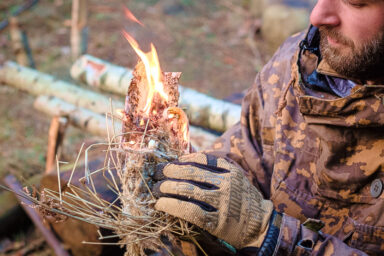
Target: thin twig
x=59 y=179
x=74 y=166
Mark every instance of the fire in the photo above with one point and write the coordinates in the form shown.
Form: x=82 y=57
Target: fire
x=152 y=70
x=155 y=88
x=182 y=121
x=130 y=16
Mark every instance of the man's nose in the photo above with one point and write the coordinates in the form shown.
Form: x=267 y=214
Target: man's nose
x=325 y=13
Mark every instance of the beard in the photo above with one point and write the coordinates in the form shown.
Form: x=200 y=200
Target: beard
x=364 y=62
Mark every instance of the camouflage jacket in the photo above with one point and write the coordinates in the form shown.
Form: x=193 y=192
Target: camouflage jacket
x=318 y=157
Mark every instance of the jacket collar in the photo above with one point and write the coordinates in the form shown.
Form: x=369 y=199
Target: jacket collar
x=316 y=74
x=325 y=69
x=312 y=44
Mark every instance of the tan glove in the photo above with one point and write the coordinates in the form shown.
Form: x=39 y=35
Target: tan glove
x=215 y=195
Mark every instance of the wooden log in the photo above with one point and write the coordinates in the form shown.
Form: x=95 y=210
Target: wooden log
x=102 y=74
x=55 y=139
x=79 y=117
x=202 y=110
x=208 y=112
x=38 y=83
x=8 y=201
x=97 y=124
x=37 y=220
x=12 y=216
x=79 y=28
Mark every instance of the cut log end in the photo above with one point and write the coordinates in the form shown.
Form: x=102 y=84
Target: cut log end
x=147 y=107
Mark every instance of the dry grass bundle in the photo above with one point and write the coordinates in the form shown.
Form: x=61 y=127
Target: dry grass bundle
x=127 y=172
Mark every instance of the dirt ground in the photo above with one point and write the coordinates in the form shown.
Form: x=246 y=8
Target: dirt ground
x=214 y=43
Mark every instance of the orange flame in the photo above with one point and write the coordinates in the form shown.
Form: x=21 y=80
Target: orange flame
x=155 y=85
x=129 y=15
x=182 y=121
x=152 y=70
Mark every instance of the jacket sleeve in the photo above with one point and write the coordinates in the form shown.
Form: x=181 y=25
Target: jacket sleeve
x=305 y=239
x=250 y=142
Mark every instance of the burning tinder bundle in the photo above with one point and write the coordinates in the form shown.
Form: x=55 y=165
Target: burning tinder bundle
x=155 y=130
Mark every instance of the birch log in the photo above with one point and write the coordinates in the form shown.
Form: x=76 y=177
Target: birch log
x=202 y=110
x=97 y=124
x=38 y=83
x=79 y=117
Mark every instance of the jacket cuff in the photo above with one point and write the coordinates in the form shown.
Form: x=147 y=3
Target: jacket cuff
x=286 y=236
x=269 y=244
x=289 y=234
x=296 y=239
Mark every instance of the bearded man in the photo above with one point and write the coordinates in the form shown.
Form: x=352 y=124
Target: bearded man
x=302 y=173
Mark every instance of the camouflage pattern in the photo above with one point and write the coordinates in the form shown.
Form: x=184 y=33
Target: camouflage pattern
x=316 y=157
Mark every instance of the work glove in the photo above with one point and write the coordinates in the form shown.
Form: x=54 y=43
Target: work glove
x=213 y=194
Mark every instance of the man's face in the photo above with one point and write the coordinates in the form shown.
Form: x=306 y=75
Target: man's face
x=352 y=36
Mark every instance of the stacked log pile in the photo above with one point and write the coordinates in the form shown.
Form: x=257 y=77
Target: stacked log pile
x=77 y=101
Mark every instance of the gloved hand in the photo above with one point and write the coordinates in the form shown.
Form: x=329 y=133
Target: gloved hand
x=215 y=195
